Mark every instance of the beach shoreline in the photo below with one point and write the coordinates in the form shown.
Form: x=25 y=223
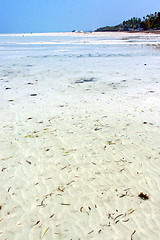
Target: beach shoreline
x=80 y=141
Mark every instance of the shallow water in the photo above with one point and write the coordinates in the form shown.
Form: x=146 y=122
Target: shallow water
x=58 y=60
x=68 y=57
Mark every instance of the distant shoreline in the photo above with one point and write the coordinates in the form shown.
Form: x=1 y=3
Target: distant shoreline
x=157 y=31
x=154 y=31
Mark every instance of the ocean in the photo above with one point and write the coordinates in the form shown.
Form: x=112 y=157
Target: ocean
x=107 y=57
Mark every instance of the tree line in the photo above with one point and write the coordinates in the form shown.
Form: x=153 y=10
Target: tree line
x=151 y=21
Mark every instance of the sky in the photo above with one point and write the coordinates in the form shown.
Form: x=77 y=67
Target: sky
x=26 y=16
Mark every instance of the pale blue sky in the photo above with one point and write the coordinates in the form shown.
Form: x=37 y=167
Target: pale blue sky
x=25 y=16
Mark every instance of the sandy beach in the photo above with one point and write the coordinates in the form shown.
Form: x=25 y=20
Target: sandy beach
x=79 y=139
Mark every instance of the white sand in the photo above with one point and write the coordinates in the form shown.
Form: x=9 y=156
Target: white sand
x=75 y=157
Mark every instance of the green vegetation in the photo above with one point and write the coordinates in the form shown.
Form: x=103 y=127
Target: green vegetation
x=151 y=21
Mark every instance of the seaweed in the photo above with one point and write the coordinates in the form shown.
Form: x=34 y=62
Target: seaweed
x=131 y=212
x=143 y=196
x=91 y=232
x=28 y=136
x=110 y=143
x=7 y=158
x=28 y=162
x=36 y=223
x=97 y=129
x=122 y=169
x=133 y=234
x=70 y=182
x=46 y=231
x=4 y=168
x=59 y=188
x=32 y=136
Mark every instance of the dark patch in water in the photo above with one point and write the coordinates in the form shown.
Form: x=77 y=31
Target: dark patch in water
x=29 y=65
x=33 y=94
x=89 y=80
x=79 y=81
x=83 y=80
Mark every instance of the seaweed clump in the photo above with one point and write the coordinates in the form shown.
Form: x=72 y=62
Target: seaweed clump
x=143 y=196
